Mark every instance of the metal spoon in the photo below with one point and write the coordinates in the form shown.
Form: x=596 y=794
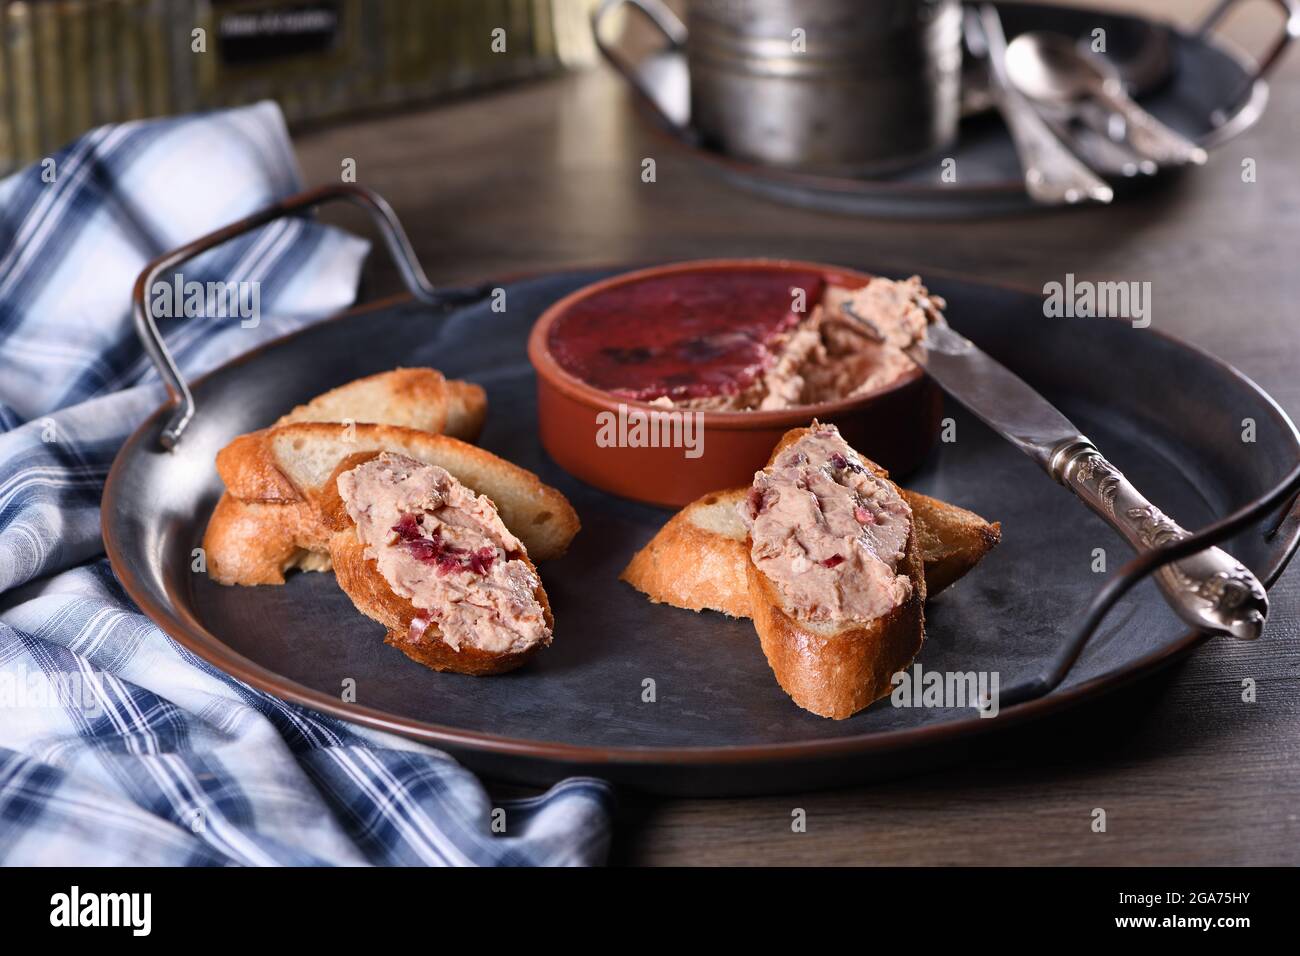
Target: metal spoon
x=1049 y=68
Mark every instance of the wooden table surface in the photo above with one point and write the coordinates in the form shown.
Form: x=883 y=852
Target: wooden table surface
x=548 y=176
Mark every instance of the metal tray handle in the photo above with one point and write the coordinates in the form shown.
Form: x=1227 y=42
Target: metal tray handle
x=1264 y=63
x=1282 y=495
x=666 y=22
x=399 y=246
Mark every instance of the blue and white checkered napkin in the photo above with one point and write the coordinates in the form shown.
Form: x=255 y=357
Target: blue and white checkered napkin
x=118 y=746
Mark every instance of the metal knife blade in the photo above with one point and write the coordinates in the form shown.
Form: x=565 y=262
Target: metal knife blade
x=1210 y=590
x=995 y=394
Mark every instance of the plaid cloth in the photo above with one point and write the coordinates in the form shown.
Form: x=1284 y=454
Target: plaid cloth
x=117 y=745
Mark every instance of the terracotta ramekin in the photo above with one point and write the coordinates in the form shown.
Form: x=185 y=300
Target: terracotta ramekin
x=895 y=426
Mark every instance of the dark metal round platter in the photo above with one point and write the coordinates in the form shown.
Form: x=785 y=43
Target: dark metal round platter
x=1209 y=92
x=719 y=723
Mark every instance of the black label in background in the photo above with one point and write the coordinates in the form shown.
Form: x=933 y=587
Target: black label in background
x=276 y=31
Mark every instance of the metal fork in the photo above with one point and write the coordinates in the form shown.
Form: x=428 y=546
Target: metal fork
x=1053 y=174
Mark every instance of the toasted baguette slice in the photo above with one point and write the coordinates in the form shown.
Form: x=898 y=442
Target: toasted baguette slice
x=835 y=669
x=253 y=543
x=952 y=540
x=697 y=560
x=419 y=398
x=256 y=542
x=361 y=580
x=293 y=463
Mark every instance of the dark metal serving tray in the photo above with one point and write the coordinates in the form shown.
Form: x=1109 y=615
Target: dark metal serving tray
x=719 y=723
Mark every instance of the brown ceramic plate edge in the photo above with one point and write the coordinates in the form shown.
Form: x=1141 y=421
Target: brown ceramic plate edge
x=191 y=635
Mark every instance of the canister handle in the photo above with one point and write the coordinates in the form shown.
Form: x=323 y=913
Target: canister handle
x=667 y=23
x=399 y=246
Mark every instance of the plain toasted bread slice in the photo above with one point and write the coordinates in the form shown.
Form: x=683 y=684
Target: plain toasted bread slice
x=360 y=579
x=419 y=398
x=295 y=462
x=952 y=540
x=697 y=560
x=249 y=543
x=835 y=669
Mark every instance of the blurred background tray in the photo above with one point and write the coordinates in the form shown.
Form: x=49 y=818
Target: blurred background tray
x=1211 y=93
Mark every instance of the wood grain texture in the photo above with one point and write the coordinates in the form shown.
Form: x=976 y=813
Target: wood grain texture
x=548 y=176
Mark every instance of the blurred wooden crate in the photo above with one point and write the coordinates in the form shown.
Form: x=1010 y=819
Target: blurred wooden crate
x=69 y=65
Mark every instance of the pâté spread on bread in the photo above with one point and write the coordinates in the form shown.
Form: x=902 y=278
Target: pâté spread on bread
x=743 y=339
x=446 y=550
x=828 y=531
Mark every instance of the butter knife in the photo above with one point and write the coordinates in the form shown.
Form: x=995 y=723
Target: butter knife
x=1211 y=590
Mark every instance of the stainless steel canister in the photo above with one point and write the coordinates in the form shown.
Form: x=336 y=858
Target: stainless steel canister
x=828 y=85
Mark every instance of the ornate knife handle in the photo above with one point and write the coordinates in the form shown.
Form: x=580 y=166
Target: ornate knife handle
x=1211 y=590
